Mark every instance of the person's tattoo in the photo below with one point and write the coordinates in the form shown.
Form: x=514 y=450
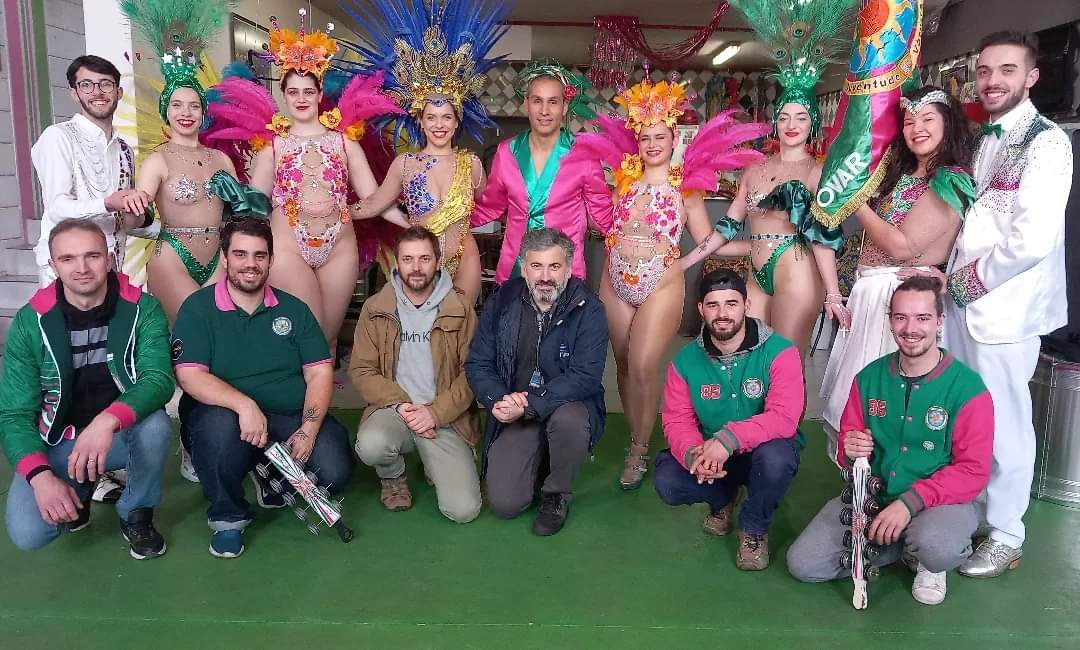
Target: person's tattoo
x=705 y=242
x=310 y=414
x=300 y=435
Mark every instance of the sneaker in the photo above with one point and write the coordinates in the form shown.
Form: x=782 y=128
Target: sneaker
x=227 y=543
x=550 y=519
x=753 y=553
x=396 y=495
x=140 y=533
x=719 y=522
x=110 y=486
x=991 y=559
x=82 y=522
x=187 y=468
x=265 y=495
x=929 y=587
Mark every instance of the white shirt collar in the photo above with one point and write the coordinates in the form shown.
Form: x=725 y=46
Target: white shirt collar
x=90 y=129
x=1018 y=112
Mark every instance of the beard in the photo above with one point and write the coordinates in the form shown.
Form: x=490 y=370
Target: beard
x=240 y=283
x=723 y=329
x=913 y=349
x=96 y=112
x=1011 y=100
x=546 y=292
x=419 y=281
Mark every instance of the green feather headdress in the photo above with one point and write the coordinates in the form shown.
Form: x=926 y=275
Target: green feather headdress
x=575 y=86
x=179 y=31
x=804 y=36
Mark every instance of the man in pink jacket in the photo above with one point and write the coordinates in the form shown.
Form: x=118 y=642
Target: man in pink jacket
x=531 y=183
x=732 y=405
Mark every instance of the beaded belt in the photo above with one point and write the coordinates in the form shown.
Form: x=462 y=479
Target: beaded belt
x=767 y=236
x=190 y=232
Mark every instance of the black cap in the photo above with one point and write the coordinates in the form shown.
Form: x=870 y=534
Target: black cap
x=718 y=280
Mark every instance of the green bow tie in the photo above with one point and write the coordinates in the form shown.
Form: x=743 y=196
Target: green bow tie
x=991 y=129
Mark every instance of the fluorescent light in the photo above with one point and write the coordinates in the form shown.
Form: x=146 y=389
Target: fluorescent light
x=726 y=53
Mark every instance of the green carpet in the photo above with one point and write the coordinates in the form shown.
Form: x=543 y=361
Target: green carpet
x=626 y=572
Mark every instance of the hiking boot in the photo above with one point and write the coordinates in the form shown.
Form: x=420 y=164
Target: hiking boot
x=554 y=507
x=227 y=544
x=929 y=587
x=140 y=533
x=635 y=466
x=718 y=523
x=753 y=553
x=395 y=493
x=991 y=559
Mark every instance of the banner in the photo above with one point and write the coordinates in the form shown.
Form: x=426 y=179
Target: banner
x=884 y=61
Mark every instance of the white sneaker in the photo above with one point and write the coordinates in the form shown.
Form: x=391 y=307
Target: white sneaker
x=187 y=469
x=110 y=486
x=929 y=587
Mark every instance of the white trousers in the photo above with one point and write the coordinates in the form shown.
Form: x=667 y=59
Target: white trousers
x=1006 y=369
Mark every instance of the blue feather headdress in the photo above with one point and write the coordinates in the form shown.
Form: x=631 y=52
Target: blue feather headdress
x=429 y=51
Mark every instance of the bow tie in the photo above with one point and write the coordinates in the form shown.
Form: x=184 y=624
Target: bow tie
x=991 y=129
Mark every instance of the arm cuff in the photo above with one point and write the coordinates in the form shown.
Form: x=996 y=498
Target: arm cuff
x=31 y=463
x=121 y=412
x=728 y=228
x=728 y=439
x=965 y=286
x=913 y=501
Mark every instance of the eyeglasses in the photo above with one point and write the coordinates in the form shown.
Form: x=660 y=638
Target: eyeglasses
x=105 y=86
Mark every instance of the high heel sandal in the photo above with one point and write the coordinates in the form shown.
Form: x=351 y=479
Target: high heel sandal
x=636 y=465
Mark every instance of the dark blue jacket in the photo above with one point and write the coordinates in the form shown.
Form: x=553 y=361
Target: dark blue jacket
x=572 y=354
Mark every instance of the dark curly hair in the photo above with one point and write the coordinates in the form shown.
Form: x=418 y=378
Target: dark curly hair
x=956 y=148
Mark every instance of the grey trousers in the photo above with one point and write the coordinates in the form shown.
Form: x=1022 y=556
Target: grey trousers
x=515 y=458
x=448 y=460
x=939 y=538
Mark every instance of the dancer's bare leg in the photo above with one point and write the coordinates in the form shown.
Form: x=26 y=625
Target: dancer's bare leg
x=797 y=298
x=337 y=284
x=167 y=280
x=291 y=273
x=619 y=317
x=655 y=325
x=467 y=278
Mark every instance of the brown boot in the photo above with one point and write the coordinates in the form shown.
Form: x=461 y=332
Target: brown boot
x=753 y=553
x=395 y=493
x=718 y=523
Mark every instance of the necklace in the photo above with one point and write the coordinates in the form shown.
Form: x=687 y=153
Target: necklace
x=801 y=166
x=179 y=151
x=940 y=356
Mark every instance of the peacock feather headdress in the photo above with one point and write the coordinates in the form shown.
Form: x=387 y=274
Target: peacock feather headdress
x=804 y=37
x=179 y=31
x=430 y=51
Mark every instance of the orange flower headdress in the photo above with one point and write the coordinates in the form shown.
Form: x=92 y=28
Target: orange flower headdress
x=647 y=103
x=303 y=52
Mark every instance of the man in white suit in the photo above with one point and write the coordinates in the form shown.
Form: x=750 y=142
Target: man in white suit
x=1007 y=278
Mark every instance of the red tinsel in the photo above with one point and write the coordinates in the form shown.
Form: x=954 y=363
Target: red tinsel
x=618 y=41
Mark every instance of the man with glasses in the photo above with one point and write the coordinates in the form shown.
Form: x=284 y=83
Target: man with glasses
x=87 y=171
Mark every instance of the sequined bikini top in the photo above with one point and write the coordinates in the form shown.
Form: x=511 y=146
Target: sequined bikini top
x=187 y=186
x=294 y=176
x=894 y=209
x=661 y=217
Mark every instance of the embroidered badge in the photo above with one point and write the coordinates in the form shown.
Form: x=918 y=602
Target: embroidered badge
x=928 y=445
x=936 y=419
x=753 y=388
x=177 y=350
x=877 y=408
x=710 y=391
x=282 y=326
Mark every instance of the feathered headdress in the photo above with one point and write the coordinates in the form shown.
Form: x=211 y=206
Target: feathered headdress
x=575 y=87
x=179 y=31
x=301 y=51
x=430 y=51
x=804 y=37
x=647 y=103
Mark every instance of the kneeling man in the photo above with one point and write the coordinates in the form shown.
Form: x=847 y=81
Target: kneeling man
x=926 y=422
x=731 y=412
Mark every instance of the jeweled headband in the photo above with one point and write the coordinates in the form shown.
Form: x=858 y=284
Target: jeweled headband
x=932 y=97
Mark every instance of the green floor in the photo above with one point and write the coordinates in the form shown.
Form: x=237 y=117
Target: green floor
x=627 y=572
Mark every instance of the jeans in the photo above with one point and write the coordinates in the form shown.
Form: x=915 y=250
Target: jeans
x=222 y=459
x=766 y=472
x=516 y=456
x=141 y=449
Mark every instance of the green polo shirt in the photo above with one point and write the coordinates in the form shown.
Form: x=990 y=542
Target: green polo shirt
x=262 y=354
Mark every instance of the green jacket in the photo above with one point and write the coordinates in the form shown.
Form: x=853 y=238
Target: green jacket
x=38 y=371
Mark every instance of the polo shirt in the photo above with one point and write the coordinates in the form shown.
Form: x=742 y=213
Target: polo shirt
x=262 y=354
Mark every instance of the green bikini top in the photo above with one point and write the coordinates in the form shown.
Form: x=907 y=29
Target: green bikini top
x=795 y=198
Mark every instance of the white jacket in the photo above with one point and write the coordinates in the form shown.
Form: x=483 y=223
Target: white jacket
x=1013 y=236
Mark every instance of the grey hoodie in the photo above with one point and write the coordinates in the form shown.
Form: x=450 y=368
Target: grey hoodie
x=415 y=371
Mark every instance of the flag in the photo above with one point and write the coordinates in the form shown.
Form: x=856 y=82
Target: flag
x=883 y=63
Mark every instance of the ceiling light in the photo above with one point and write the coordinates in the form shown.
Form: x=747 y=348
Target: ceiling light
x=726 y=53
